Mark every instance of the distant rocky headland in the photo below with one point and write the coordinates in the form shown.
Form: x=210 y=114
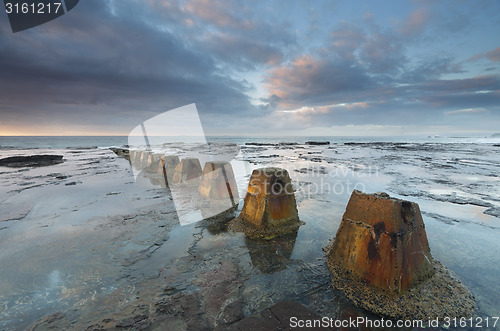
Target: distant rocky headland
x=31 y=161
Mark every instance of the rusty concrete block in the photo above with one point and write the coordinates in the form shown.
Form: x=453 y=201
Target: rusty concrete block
x=188 y=171
x=269 y=207
x=166 y=169
x=153 y=162
x=218 y=182
x=135 y=158
x=144 y=159
x=383 y=241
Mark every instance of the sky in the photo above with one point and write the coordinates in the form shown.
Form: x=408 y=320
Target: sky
x=264 y=68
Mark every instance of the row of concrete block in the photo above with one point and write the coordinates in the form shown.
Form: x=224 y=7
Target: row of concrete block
x=375 y=229
x=380 y=249
x=216 y=181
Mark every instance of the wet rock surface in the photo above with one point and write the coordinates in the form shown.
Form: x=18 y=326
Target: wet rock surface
x=317 y=143
x=31 y=161
x=441 y=296
x=205 y=289
x=277 y=317
x=105 y=251
x=121 y=152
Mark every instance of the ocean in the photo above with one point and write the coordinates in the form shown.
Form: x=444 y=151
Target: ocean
x=36 y=142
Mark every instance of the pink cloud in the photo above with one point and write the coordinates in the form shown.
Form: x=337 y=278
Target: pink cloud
x=494 y=55
x=416 y=22
x=286 y=81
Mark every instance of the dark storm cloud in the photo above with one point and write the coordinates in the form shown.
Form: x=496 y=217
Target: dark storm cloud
x=465 y=100
x=233 y=33
x=468 y=85
x=118 y=62
x=345 y=39
x=243 y=53
x=108 y=54
x=382 y=53
x=430 y=68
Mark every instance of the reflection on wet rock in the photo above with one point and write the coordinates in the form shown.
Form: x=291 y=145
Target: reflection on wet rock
x=381 y=260
x=269 y=208
x=270 y=256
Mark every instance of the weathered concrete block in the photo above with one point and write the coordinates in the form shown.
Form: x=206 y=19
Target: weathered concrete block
x=270 y=200
x=218 y=194
x=144 y=159
x=166 y=169
x=269 y=206
x=383 y=241
x=381 y=260
x=218 y=182
x=135 y=158
x=187 y=171
x=153 y=162
x=133 y=154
